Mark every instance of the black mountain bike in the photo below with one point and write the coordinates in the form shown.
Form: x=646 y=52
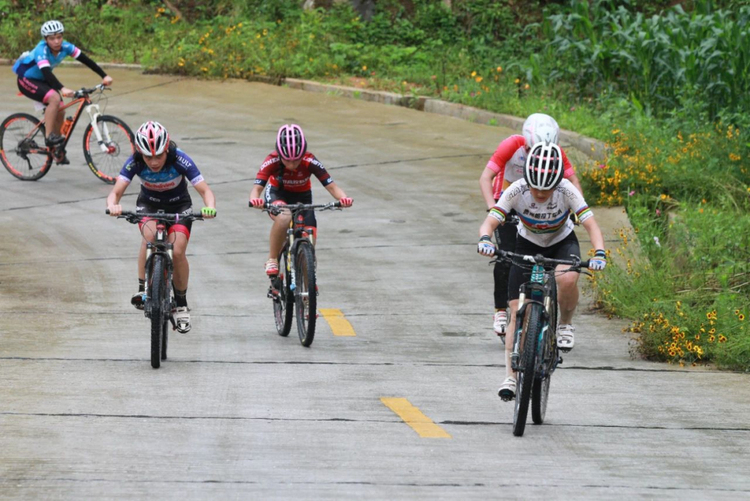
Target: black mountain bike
x=158 y=303
x=535 y=354
x=294 y=288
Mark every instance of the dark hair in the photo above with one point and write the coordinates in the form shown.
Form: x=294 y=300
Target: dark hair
x=171 y=154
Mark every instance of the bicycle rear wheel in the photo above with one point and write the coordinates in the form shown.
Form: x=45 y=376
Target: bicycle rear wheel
x=157 y=291
x=23 y=151
x=540 y=392
x=105 y=159
x=532 y=323
x=283 y=304
x=305 y=294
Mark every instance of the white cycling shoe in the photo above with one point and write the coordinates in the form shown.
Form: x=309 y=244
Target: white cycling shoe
x=501 y=323
x=507 y=390
x=566 y=337
x=182 y=319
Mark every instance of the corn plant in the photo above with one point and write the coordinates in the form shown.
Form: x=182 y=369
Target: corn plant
x=658 y=60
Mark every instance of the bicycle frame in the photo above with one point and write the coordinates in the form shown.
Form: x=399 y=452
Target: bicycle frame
x=537 y=290
x=84 y=104
x=295 y=234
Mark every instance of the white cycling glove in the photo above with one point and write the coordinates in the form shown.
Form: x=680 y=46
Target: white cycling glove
x=485 y=246
x=599 y=261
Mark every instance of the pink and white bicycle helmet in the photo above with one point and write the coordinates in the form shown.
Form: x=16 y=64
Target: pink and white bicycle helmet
x=152 y=139
x=290 y=142
x=540 y=128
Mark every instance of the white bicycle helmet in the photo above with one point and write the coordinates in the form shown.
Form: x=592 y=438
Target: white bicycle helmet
x=544 y=166
x=52 y=27
x=152 y=139
x=540 y=128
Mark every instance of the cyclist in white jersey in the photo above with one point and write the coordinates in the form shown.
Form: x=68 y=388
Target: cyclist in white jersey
x=544 y=202
x=505 y=167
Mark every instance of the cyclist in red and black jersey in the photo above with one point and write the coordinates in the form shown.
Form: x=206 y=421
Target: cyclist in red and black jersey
x=284 y=178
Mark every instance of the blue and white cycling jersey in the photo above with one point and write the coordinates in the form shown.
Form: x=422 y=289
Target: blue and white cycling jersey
x=167 y=186
x=30 y=65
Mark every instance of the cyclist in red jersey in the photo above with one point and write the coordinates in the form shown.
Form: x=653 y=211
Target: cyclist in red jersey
x=505 y=167
x=284 y=178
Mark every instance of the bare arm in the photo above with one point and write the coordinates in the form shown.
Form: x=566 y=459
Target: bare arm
x=256 y=191
x=485 y=184
x=335 y=191
x=206 y=194
x=595 y=234
x=113 y=199
x=489 y=226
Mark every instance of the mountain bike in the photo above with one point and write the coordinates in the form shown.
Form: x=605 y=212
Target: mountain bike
x=294 y=289
x=535 y=354
x=107 y=141
x=158 y=303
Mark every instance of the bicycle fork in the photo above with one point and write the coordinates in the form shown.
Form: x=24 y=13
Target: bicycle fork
x=104 y=140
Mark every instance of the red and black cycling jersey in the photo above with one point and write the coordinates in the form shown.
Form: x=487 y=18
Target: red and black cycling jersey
x=298 y=180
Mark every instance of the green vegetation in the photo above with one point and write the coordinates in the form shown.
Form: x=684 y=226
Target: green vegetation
x=667 y=87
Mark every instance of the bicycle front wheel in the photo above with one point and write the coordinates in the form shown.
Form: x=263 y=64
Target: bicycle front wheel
x=305 y=292
x=164 y=338
x=157 y=292
x=106 y=158
x=23 y=151
x=532 y=324
x=283 y=305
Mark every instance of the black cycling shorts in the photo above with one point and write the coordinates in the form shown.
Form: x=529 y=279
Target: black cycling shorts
x=38 y=90
x=145 y=206
x=561 y=250
x=273 y=194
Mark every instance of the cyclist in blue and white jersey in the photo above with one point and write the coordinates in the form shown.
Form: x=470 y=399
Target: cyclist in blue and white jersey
x=543 y=201
x=165 y=171
x=36 y=80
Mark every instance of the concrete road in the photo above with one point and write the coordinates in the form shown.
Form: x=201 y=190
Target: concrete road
x=239 y=412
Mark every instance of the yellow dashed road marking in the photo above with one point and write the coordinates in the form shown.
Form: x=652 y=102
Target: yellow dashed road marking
x=339 y=325
x=414 y=418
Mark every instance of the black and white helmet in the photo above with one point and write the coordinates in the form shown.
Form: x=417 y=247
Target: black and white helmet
x=540 y=127
x=544 y=166
x=52 y=27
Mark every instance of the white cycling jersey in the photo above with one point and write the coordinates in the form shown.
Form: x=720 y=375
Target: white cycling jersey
x=543 y=224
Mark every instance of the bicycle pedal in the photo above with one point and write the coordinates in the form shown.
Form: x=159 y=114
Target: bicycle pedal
x=564 y=350
x=559 y=361
x=506 y=395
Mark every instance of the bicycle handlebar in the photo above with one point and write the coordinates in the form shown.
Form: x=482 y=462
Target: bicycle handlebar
x=134 y=217
x=277 y=208
x=85 y=92
x=575 y=262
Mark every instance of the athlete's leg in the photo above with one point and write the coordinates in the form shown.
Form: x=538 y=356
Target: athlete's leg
x=181 y=265
x=278 y=233
x=53 y=115
x=567 y=294
x=148 y=230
